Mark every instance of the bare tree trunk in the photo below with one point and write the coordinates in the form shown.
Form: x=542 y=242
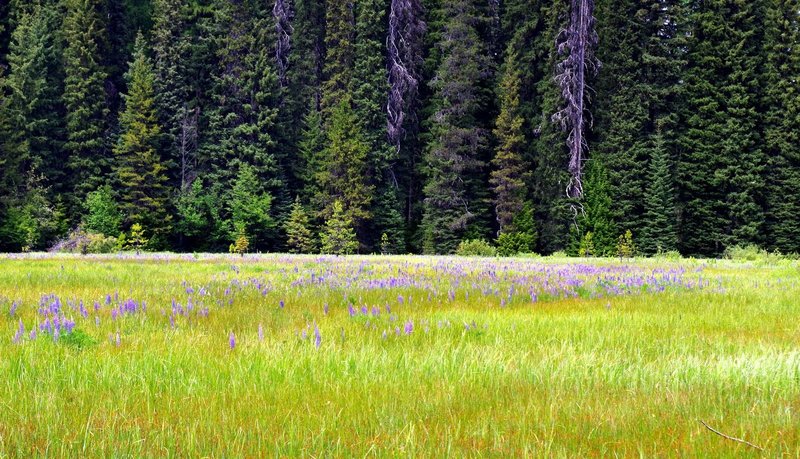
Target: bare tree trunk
x=577 y=43
x=282 y=12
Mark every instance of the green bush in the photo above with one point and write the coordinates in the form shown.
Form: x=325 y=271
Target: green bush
x=510 y=244
x=672 y=255
x=476 y=248
x=750 y=252
x=82 y=241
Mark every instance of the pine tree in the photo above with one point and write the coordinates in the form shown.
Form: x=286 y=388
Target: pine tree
x=140 y=174
x=338 y=237
x=595 y=216
x=343 y=174
x=638 y=88
x=370 y=88
x=340 y=52
x=659 y=232
x=509 y=175
x=720 y=172
x=300 y=239
x=177 y=106
x=782 y=124
x=250 y=210
x=310 y=153
x=554 y=213
x=102 y=212
x=241 y=119
x=456 y=204
x=84 y=97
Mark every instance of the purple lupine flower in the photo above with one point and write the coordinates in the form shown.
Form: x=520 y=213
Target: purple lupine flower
x=325 y=309
x=260 y=332
x=397 y=331
x=400 y=299
x=117 y=340
x=388 y=309
x=172 y=321
x=375 y=311
x=282 y=304
x=13 y=309
x=96 y=306
x=317 y=337
x=232 y=341
x=364 y=310
x=108 y=298
x=409 y=328
x=19 y=334
x=351 y=310
x=33 y=334
x=97 y=321
x=114 y=314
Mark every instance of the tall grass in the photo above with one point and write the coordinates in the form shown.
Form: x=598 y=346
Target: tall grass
x=484 y=370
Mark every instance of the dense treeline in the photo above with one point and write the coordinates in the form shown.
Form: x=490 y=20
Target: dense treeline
x=401 y=125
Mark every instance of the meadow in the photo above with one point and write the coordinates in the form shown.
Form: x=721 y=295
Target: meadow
x=276 y=355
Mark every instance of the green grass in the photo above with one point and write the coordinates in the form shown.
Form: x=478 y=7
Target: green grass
x=627 y=375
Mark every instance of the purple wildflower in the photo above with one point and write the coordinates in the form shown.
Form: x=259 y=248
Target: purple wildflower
x=317 y=337
x=351 y=310
x=232 y=341
x=282 y=304
x=325 y=309
x=117 y=340
x=260 y=332
x=13 y=309
x=409 y=328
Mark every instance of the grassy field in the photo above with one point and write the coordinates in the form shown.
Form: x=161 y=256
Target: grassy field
x=183 y=356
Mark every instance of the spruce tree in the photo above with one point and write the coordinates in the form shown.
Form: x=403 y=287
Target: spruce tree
x=343 y=175
x=370 y=88
x=338 y=236
x=456 y=202
x=340 y=52
x=720 y=172
x=140 y=175
x=177 y=105
x=250 y=210
x=84 y=97
x=510 y=173
x=782 y=124
x=300 y=239
x=659 y=232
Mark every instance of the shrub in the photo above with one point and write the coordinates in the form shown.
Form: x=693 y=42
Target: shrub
x=136 y=240
x=625 y=246
x=102 y=214
x=672 y=255
x=586 y=248
x=82 y=241
x=476 y=248
x=241 y=244
x=510 y=244
x=750 y=252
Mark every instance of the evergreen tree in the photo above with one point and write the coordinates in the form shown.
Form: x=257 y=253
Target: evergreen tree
x=300 y=239
x=241 y=120
x=84 y=97
x=250 y=210
x=720 y=172
x=177 y=106
x=140 y=174
x=509 y=175
x=595 y=214
x=310 y=152
x=197 y=211
x=456 y=202
x=343 y=174
x=338 y=237
x=659 y=232
x=340 y=52
x=782 y=124
x=370 y=88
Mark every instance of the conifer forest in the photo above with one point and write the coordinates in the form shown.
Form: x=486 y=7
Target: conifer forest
x=400 y=126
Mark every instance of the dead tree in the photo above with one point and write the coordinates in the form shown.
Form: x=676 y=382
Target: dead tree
x=282 y=12
x=576 y=42
x=404 y=43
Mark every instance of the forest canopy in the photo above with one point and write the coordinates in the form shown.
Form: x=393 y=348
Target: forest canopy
x=398 y=126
